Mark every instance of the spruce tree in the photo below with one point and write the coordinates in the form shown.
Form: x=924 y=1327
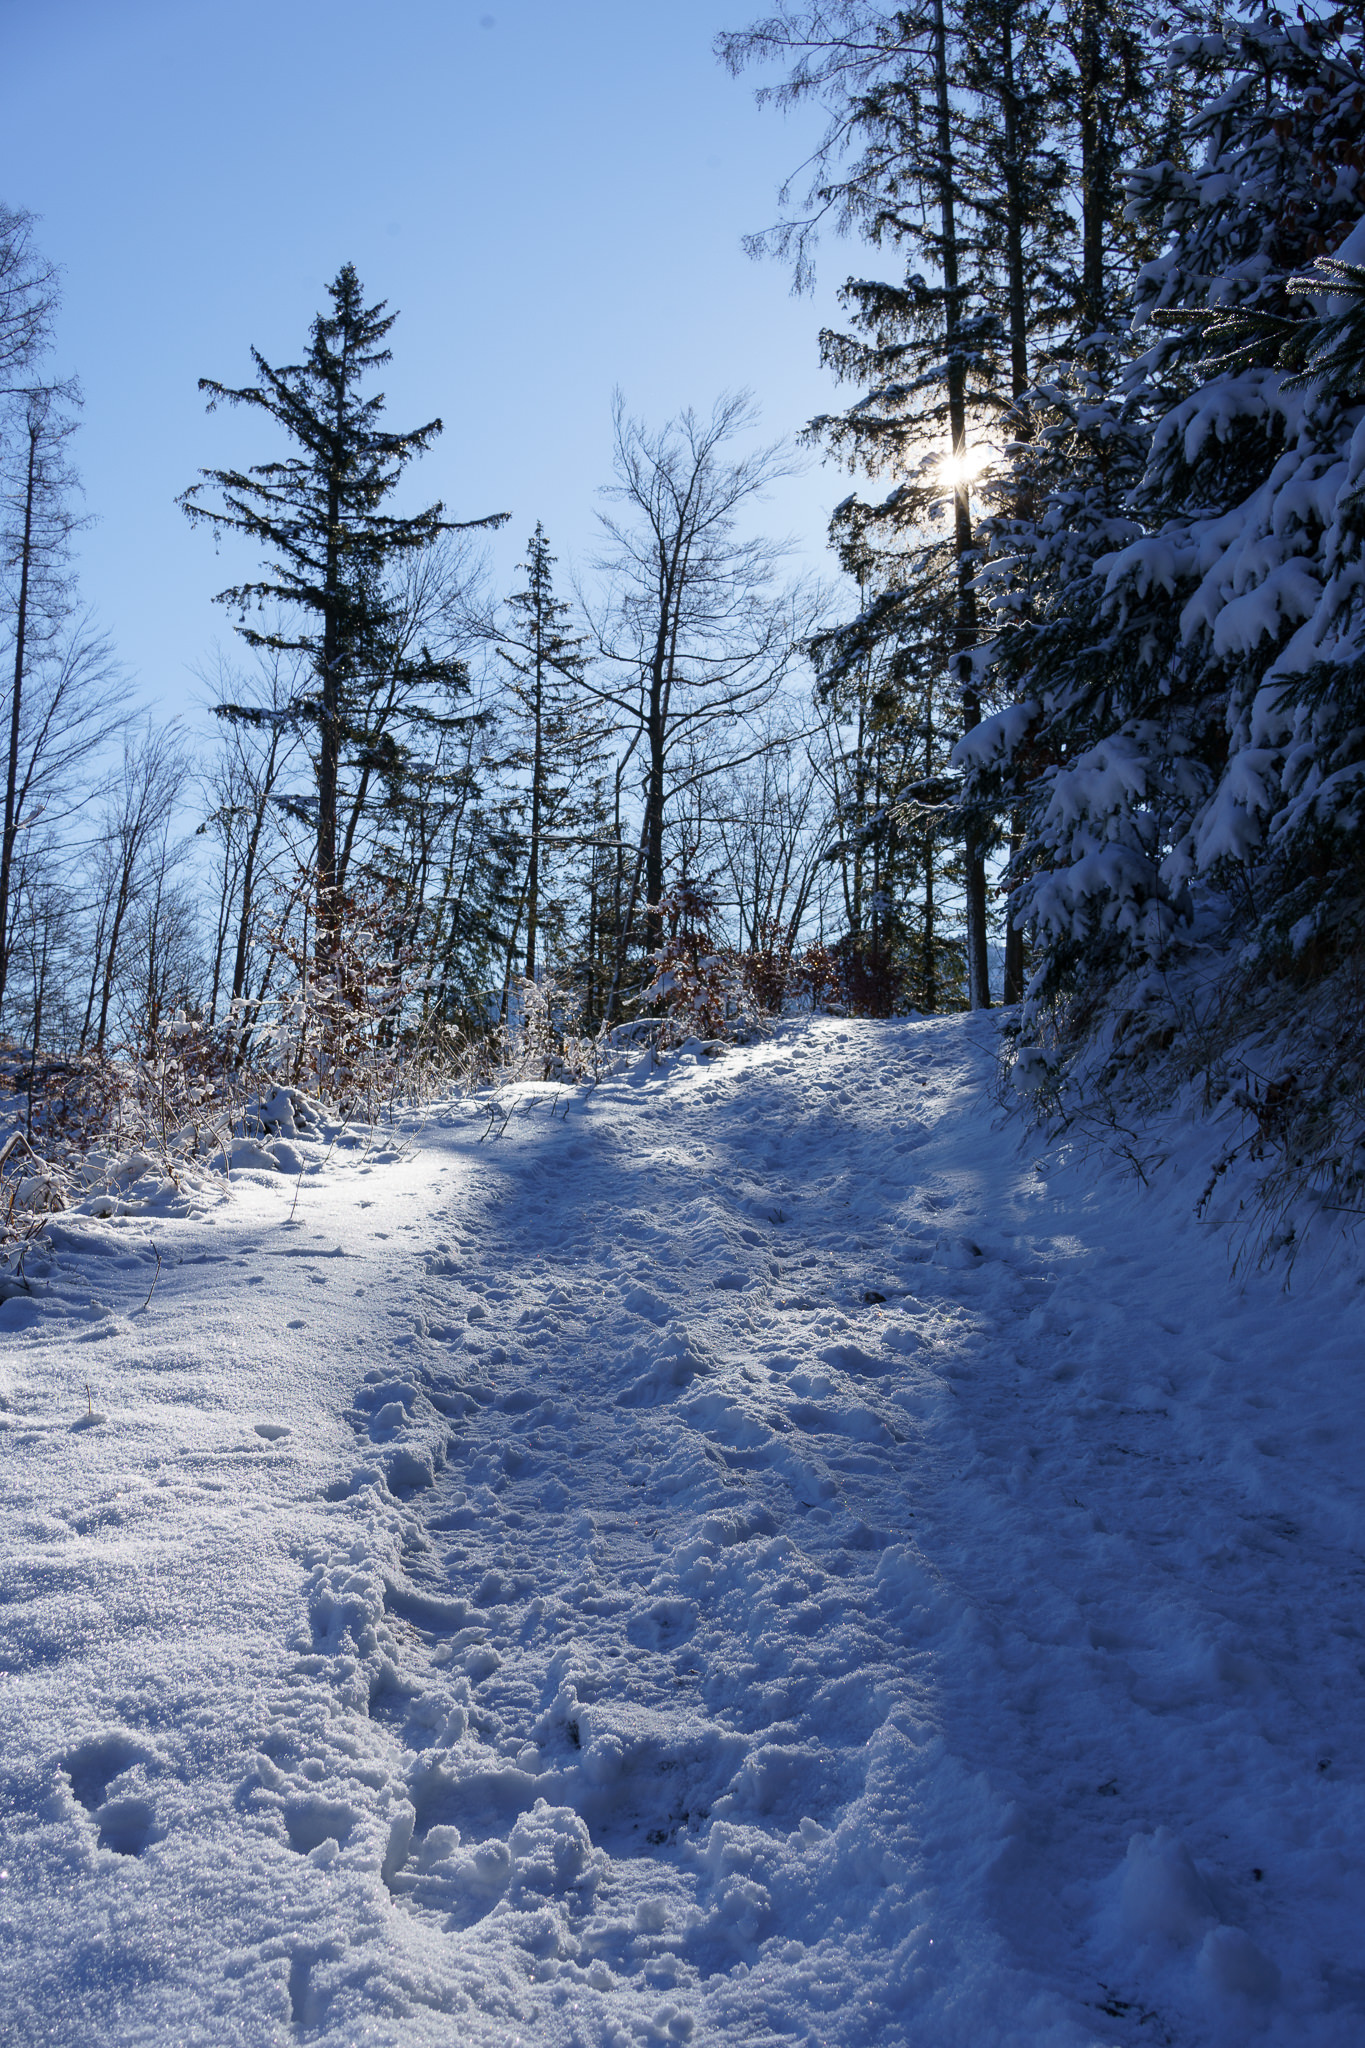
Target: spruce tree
x=551 y=732
x=1185 y=730
x=984 y=139
x=320 y=518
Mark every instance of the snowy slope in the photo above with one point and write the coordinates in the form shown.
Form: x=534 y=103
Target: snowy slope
x=744 y=1554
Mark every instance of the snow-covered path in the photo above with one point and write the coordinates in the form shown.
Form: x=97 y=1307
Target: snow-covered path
x=739 y=1555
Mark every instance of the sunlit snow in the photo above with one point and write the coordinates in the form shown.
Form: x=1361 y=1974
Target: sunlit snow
x=747 y=1553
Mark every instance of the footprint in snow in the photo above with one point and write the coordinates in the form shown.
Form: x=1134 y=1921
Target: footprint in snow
x=125 y=1824
x=311 y=1823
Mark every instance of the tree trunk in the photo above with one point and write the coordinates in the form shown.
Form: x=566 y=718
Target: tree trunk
x=39 y=998
x=1014 y=938
x=11 y=824
x=654 y=820
x=248 y=905
x=96 y=967
x=1014 y=209
x=1094 y=167
x=111 y=956
x=930 y=911
x=623 y=934
x=329 y=730
x=1013 y=990
x=964 y=619
x=537 y=776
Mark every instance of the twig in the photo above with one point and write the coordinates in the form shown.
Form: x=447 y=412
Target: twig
x=492 y=1113
x=14 y=1138
x=155 y=1277
x=89 y=1401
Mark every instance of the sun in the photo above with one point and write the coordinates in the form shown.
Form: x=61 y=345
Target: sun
x=960 y=468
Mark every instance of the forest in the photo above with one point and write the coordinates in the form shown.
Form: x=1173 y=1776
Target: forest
x=1073 y=724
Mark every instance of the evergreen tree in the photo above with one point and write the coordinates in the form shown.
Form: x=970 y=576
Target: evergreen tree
x=983 y=139
x=469 y=902
x=552 y=735
x=936 y=149
x=1185 y=734
x=319 y=517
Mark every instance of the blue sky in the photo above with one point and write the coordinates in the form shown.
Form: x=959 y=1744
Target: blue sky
x=551 y=194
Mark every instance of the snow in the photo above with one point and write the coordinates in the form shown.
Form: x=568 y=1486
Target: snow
x=746 y=1552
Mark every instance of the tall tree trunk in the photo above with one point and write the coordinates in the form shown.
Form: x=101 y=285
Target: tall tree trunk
x=220 y=930
x=509 y=964
x=537 y=777
x=623 y=934
x=1014 y=937
x=654 y=817
x=1095 y=163
x=333 y=654
x=248 y=904
x=39 y=999
x=1014 y=208
x=111 y=956
x=930 y=910
x=1019 y=378
x=96 y=968
x=11 y=824
x=964 y=611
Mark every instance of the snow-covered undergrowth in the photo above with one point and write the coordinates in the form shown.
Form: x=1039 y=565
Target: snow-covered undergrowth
x=1275 y=1074
x=744 y=1553
x=133 y=1165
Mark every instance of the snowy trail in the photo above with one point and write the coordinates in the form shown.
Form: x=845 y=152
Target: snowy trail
x=740 y=1556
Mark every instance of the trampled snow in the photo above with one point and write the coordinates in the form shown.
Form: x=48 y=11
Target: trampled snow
x=747 y=1553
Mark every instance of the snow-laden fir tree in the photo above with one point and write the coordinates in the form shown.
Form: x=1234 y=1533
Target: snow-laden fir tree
x=1187 y=735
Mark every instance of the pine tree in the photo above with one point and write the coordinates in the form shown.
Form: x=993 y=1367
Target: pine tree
x=933 y=364
x=552 y=733
x=319 y=517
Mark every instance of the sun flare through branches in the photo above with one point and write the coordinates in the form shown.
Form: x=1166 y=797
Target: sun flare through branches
x=959 y=468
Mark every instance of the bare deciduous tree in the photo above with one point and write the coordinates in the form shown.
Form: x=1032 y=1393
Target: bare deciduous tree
x=693 y=635
x=28 y=298
x=132 y=853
